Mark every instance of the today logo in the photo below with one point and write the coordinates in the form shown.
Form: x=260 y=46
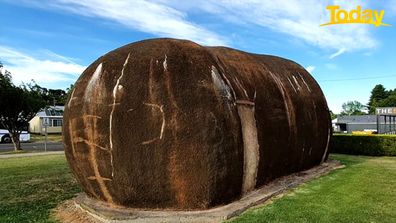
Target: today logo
x=355 y=16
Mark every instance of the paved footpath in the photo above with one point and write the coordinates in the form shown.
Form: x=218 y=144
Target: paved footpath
x=31 y=154
x=33 y=146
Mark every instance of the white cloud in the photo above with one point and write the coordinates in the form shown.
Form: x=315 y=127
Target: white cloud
x=298 y=18
x=142 y=15
x=338 y=53
x=310 y=69
x=24 y=67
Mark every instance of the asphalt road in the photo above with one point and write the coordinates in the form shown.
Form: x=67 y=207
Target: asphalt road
x=36 y=146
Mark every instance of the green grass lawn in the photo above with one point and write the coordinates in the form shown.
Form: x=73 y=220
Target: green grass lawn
x=50 y=137
x=364 y=191
x=31 y=186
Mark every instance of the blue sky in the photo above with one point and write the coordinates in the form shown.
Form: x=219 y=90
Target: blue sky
x=53 y=41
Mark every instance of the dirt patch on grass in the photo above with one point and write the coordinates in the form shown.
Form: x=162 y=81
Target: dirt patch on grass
x=69 y=212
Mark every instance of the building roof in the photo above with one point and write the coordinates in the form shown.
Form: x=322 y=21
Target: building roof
x=358 y=119
x=53 y=111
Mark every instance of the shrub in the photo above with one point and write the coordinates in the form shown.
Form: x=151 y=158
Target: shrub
x=370 y=145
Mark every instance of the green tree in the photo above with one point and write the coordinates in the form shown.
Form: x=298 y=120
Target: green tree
x=353 y=108
x=332 y=115
x=18 y=104
x=69 y=91
x=390 y=101
x=378 y=94
x=50 y=96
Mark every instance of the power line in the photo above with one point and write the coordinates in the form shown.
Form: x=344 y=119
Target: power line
x=355 y=79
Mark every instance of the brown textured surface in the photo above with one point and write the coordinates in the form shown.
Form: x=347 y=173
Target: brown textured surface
x=155 y=124
x=85 y=209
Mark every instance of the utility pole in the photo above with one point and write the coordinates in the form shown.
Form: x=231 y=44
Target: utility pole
x=46 y=123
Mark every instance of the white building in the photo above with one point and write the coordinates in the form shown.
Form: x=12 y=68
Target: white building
x=55 y=117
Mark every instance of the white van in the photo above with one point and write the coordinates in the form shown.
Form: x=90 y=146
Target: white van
x=6 y=138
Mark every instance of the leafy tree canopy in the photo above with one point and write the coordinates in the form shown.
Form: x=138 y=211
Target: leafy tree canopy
x=332 y=115
x=353 y=108
x=380 y=97
x=50 y=96
x=18 y=104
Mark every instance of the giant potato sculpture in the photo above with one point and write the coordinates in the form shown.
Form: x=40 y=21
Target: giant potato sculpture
x=168 y=123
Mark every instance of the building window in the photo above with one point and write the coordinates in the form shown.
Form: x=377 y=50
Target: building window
x=57 y=122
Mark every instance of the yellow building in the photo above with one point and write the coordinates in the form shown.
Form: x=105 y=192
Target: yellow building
x=53 y=114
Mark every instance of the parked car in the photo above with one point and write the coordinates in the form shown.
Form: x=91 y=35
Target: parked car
x=6 y=138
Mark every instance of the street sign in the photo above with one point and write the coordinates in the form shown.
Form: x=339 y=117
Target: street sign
x=386 y=111
x=46 y=121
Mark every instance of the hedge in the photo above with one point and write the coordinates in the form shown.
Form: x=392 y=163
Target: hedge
x=370 y=145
